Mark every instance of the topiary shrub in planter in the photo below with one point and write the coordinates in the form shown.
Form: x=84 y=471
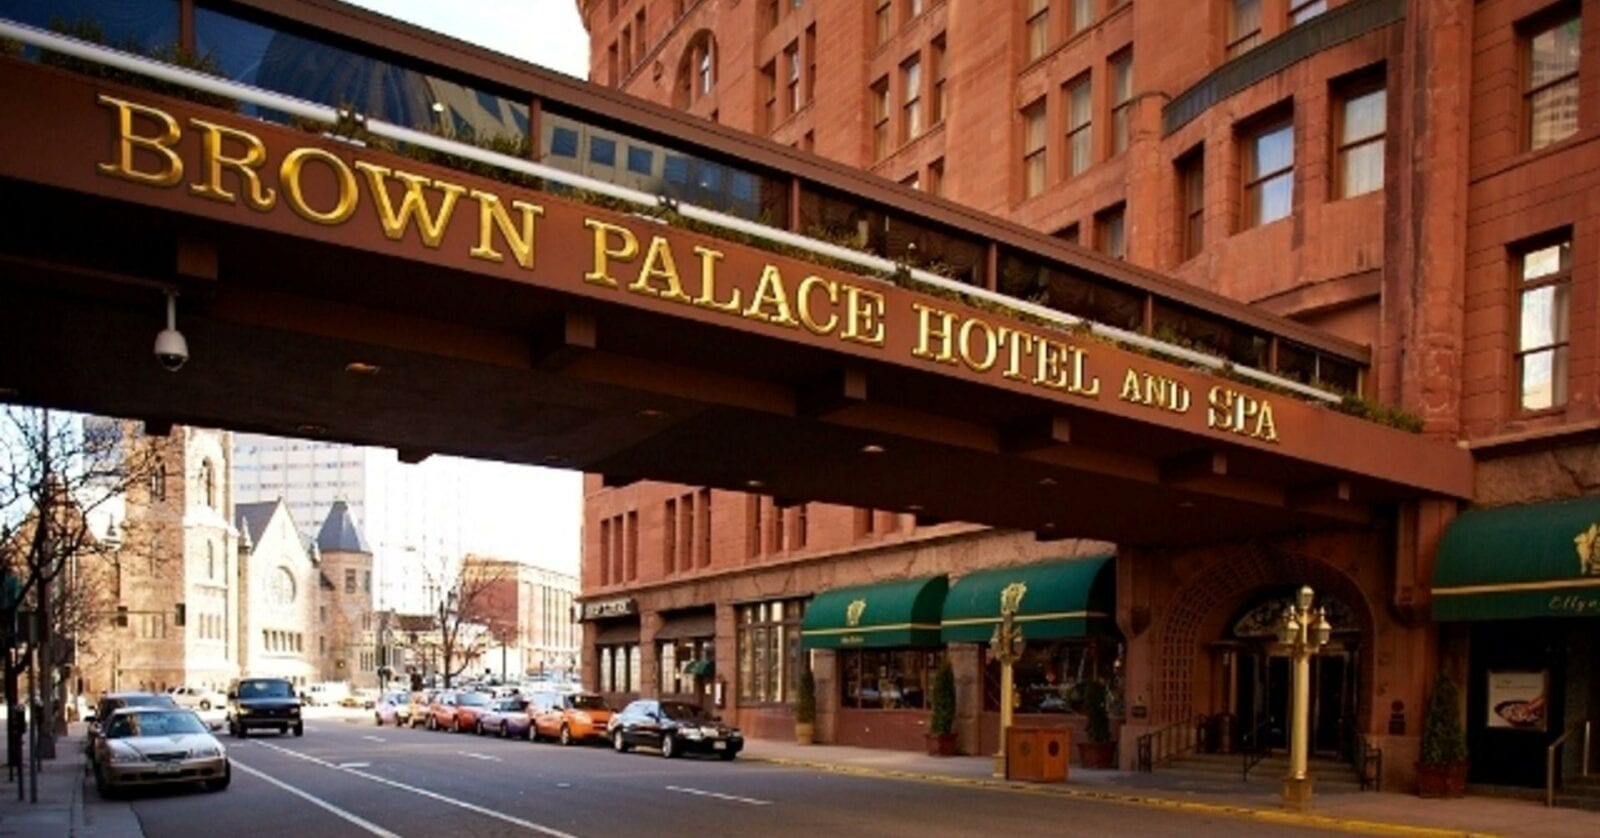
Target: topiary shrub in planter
x=1100 y=751
x=1442 y=766
x=805 y=709
x=942 y=724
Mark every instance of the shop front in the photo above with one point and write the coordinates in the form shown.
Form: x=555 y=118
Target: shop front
x=1517 y=589
x=880 y=648
x=615 y=667
x=685 y=647
x=1065 y=611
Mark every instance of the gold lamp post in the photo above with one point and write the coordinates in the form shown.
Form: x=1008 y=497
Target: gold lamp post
x=1006 y=646
x=1304 y=630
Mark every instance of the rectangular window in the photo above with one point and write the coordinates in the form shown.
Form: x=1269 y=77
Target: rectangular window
x=911 y=78
x=1269 y=174
x=1192 y=199
x=703 y=509
x=612 y=71
x=638 y=32
x=769 y=652
x=349 y=580
x=752 y=535
x=880 y=119
x=769 y=95
x=1082 y=15
x=770 y=13
x=1301 y=11
x=800 y=525
x=1244 y=27
x=883 y=20
x=913 y=8
x=1080 y=136
x=669 y=536
x=366 y=581
x=811 y=63
x=936 y=102
x=1033 y=149
x=1544 y=291
x=1108 y=232
x=886 y=679
x=633 y=546
x=1362 y=118
x=617 y=562
x=791 y=61
x=605 y=554
x=627 y=48
x=936 y=177
x=1551 y=95
x=686 y=541
x=1038 y=28
x=1121 y=100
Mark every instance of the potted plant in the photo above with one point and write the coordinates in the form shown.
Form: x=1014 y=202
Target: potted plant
x=805 y=709
x=1099 y=751
x=1442 y=767
x=942 y=725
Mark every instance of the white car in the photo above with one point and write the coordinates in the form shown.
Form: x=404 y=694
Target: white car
x=141 y=746
x=197 y=698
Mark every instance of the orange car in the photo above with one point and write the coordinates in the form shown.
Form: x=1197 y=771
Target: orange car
x=569 y=717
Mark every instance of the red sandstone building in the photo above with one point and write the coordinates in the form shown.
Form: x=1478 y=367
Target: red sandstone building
x=1410 y=179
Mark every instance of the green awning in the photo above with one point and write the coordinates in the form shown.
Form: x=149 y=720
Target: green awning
x=703 y=667
x=1070 y=598
x=1512 y=562
x=904 y=613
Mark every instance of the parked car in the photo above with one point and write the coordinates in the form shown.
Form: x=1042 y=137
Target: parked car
x=325 y=694
x=111 y=703
x=470 y=707
x=419 y=712
x=263 y=703
x=442 y=710
x=507 y=717
x=570 y=717
x=197 y=698
x=674 y=727
x=144 y=746
x=392 y=708
x=365 y=698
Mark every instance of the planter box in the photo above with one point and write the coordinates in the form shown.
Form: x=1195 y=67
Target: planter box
x=1097 y=754
x=1442 y=780
x=942 y=745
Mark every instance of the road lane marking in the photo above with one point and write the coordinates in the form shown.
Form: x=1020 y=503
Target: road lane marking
x=484 y=757
x=471 y=807
x=355 y=765
x=316 y=801
x=375 y=738
x=720 y=796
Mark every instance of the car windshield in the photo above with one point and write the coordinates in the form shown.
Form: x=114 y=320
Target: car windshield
x=678 y=711
x=265 y=689
x=154 y=724
x=587 y=702
x=473 y=699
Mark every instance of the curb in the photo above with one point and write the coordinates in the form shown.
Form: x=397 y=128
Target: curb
x=1241 y=812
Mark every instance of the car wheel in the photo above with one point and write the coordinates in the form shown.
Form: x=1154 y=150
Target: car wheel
x=283 y=731
x=205 y=704
x=478 y=728
x=455 y=725
x=528 y=734
x=503 y=727
x=566 y=735
x=669 y=747
x=433 y=724
x=619 y=743
x=300 y=729
x=222 y=782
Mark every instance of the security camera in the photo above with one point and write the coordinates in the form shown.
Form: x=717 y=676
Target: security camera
x=171 y=349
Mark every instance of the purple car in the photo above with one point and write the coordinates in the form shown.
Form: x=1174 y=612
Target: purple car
x=393 y=708
x=506 y=717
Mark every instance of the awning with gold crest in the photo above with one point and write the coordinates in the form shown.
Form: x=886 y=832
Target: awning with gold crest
x=1050 y=600
x=1515 y=562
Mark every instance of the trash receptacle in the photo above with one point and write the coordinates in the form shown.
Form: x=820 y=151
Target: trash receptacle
x=1037 y=754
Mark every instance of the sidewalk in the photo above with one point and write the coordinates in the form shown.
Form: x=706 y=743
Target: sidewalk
x=1368 y=812
x=68 y=804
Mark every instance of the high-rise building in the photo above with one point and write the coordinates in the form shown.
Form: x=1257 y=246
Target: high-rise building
x=1413 y=179
x=412 y=514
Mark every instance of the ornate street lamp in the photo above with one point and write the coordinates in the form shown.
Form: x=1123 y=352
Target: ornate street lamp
x=1304 y=631
x=1006 y=646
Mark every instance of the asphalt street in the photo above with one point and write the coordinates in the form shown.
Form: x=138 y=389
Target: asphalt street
x=351 y=778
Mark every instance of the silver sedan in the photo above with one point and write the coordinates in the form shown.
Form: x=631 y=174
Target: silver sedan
x=142 y=746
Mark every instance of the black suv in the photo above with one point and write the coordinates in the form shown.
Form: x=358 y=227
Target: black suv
x=263 y=702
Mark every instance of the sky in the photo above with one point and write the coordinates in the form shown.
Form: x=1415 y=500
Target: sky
x=518 y=512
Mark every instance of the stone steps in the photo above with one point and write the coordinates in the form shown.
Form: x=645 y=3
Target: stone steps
x=1227 y=769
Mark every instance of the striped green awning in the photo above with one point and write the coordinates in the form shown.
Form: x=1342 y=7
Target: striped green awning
x=1069 y=598
x=904 y=613
x=1513 y=562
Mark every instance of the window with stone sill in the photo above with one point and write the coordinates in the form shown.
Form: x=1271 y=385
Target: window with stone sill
x=1301 y=11
x=883 y=21
x=1244 y=27
x=1121 y=100
x=1033 y=149
x=1544 y=284
x=936 y=60
x=1268 y=173
x=911 y=111
x=1361 y=121
x=1037 y=27
x=791 y=60
x=880 y=119
x=769 y=651
x=1080 y=134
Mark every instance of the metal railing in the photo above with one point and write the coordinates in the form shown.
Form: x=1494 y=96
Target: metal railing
x=1554 y=749
x=322 y=113
x=1162 y=745
x=1251 y=750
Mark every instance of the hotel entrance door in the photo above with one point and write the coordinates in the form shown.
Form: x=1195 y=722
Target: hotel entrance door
x=1264 y=693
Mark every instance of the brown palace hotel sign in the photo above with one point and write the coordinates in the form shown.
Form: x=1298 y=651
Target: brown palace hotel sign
x=230 y=165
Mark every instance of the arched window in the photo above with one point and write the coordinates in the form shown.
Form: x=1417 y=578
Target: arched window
x=697 y=69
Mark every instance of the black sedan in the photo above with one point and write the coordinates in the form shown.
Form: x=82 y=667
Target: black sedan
x=674 y=727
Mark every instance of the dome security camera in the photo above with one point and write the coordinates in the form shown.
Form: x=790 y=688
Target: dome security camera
x=171 y=349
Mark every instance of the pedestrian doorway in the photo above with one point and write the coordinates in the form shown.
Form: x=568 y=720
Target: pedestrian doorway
x=1261 y=687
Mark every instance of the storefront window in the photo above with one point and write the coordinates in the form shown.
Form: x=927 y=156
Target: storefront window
x=887 y=679
x=769 y=651
x=619 y=668
x=1050 y=676
x=677 y=659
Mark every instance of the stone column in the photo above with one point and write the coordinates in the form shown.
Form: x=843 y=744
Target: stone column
x=650 y=676
x=825 y=669
x=966 y=661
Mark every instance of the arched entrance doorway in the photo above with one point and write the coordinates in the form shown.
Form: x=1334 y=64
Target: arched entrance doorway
x=1253 y=671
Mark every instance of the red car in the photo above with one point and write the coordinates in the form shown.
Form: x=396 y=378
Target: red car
x=470 y=709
